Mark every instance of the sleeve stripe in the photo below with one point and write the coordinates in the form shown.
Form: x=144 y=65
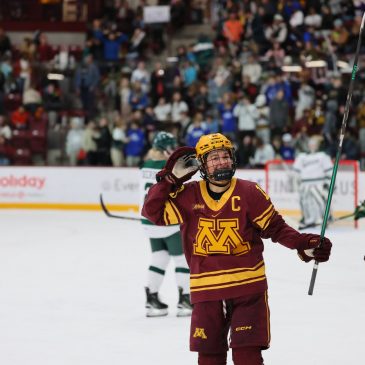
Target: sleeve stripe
x=264 y=221
x=268 y=220
x=172 y=214
x=263 y=214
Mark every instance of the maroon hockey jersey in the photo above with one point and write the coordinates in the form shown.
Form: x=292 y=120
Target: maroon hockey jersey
x=222 y=239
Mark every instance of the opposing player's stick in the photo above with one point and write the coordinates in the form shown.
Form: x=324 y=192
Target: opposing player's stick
x=110 y=215
x=339 y=149
x=358 y=213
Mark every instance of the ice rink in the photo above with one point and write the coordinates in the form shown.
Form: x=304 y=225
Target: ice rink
x=72 y=293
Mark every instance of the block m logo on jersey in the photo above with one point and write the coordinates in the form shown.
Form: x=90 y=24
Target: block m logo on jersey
x=219 y=236
x=200 y=332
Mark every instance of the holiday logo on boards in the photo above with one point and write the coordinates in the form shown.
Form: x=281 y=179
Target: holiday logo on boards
x=21 y=186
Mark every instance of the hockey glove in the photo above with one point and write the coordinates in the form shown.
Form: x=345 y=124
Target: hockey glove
x=180 y=166
x=360 y=211
x=320 y=254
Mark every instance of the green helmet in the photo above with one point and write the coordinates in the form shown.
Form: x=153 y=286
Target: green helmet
x=164 y=141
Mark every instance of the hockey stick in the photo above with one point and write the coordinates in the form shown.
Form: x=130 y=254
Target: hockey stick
x=339 y=149
x=110 y=215
x=358 y=213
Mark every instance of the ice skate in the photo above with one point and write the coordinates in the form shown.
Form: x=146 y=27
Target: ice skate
x=184 y=307
x=155 y=308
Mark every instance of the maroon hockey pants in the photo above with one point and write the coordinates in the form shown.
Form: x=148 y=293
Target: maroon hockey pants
x=240 y=355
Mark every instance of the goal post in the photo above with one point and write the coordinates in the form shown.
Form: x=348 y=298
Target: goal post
x=282 y=186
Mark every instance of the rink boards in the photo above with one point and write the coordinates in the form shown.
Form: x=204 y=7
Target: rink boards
x=70 y=188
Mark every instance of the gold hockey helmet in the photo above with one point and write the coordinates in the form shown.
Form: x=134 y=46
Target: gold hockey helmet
x=211 y=142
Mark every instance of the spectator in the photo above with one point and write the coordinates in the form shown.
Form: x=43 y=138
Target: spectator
x=74 y=141
x=103 y=143
x=32 y=99
x=19 y=118
x=5 y=44
x=275 y=56
x=262 y=121
x=149 y=121
x=5 y=130
x=89 y=143
x=350 y=146
x=189 y=74
x=301 y=140
x=229 y=124
x=135 y=145
x=233 y=31
x=339 y=35
x=306 y=97
x=178 y=14
x=220 y=78
x=246 y=113
x=264 y=152
x=25 y=71
x=137 y=44
x=329 y=130
x=162 y=110
x=212 y=123
x=138 y=99
x=277 y=31
x=303 y=123
x=178 y=106
x=279 y=114
x=28 y=48
x=313 y=18
x=158 y=88
x=201 y=99
x=287 y=151
x=141 y=75
x=119 y=139
x=253 y=69
x=246 y=151
x=111 y=44
x=196 y=130
x=87 y=78
x=44 y=50
x=249 y=88
x=6 y=68
x=125 y=94
x=52 y=99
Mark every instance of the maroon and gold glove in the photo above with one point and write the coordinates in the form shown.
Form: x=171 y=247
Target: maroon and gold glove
x=180 y=166
x=320 y=254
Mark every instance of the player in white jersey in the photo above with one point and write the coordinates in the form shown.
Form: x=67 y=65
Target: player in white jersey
x=165 y=241
x=314 y=170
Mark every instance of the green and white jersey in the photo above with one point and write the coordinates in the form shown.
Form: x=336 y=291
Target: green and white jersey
x=148 y=177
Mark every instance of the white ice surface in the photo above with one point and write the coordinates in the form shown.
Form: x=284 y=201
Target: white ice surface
x=71 y=293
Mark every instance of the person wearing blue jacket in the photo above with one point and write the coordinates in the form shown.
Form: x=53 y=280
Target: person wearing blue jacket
x=111 y=43
x=133 y=149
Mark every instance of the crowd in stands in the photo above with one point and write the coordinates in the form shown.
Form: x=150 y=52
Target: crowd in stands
x=269 y=75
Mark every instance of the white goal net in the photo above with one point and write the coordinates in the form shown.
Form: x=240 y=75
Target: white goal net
x=282 y=188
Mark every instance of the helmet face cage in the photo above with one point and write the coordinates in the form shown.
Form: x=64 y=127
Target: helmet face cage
x=164 y=141
x=214 y=142
x=225 y=174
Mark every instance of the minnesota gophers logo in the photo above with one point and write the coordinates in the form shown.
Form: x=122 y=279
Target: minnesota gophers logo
x=219 y=236
x=200 y=332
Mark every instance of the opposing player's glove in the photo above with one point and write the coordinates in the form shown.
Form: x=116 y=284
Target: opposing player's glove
x=314 y=252
x=180 y=166
x=360 y=211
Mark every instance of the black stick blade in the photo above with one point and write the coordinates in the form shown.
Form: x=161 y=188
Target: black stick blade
x=110 y=215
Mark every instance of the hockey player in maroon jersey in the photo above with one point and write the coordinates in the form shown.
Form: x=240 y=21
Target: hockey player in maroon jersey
x=223 y=220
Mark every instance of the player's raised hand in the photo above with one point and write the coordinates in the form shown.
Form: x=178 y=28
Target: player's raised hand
x=180 y=166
